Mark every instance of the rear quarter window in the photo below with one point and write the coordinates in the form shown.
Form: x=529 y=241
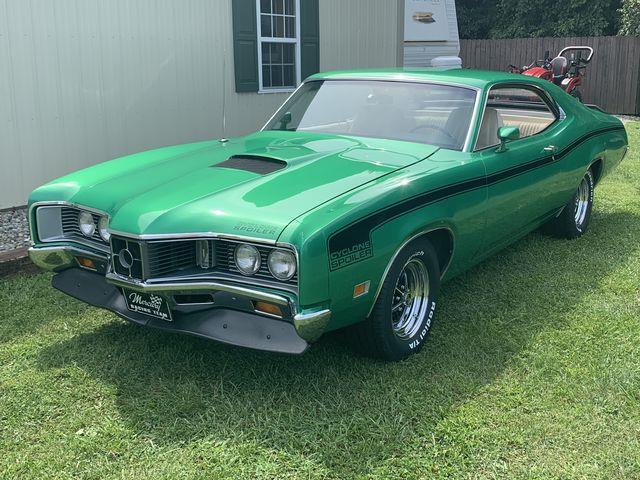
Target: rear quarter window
x=513 y=107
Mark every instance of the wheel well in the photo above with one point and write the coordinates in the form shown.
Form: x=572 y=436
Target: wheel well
x=442 y=241
x=596 y=168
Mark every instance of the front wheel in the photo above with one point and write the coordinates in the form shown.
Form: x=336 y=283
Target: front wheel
x=403 y=313
x=576 y=215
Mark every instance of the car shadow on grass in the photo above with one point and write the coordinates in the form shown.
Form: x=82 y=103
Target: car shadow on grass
x=345 y=412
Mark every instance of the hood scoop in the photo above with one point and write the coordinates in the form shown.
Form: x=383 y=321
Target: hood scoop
x=252 y=163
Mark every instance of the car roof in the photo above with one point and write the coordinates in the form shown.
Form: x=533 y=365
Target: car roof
x=458 y=76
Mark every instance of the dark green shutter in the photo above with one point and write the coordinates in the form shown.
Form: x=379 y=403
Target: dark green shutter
x=245 y=45
x=309 y=37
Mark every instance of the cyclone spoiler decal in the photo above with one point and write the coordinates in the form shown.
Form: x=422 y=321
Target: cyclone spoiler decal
x=344 y=257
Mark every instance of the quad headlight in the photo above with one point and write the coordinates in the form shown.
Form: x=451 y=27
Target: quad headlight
x=103 y=229
x=86 y=224
x=247 y=258
x=282 y=264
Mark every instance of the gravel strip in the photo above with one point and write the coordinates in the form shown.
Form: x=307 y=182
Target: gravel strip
x=14 y=229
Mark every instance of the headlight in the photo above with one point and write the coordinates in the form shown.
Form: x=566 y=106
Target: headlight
x=103 y=226
x=86 y=224
x=247 y=259
x=282 y=264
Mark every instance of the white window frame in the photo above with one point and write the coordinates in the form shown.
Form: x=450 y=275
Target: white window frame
x=295 y=41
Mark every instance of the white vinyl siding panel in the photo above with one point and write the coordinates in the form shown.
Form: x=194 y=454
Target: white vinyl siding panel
x=358 y=34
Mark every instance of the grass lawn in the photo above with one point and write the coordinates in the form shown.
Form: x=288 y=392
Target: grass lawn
x=532 y=371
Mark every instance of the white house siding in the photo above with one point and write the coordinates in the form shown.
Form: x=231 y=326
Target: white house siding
x=420 y=54
x=84 y=81
x=360 y=34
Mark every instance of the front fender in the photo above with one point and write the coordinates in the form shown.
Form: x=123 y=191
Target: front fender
x=461 y=216
x=372 y=222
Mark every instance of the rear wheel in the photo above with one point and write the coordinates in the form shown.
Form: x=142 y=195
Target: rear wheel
x=576 y=215
x=402 y=315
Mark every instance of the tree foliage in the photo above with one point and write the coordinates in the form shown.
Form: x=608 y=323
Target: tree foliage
x=475 y=17
x=541 y=18
x=630 y=18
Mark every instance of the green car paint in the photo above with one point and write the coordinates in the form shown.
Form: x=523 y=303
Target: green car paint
x=348 y=204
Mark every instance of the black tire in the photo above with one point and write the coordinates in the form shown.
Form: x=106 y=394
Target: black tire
x=378 y=336
x=574 y=219
x=575 y=93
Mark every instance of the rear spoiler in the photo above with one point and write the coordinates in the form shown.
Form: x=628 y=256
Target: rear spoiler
x=594 y=107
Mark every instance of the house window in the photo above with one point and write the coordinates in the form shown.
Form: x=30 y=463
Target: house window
x=278 y=44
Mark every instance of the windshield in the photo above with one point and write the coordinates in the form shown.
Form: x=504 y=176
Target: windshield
x=417 y=112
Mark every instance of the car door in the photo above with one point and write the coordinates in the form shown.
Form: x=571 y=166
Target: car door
x=520 y=189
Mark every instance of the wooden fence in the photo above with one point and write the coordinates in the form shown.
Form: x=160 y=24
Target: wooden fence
x=613 y=76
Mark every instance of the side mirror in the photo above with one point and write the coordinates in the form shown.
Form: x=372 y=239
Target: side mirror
x=507 y=134
x=285 y=120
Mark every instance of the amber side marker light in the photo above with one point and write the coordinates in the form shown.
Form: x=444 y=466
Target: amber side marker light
x=361 y=289
x=86 y=263
x=268 y=308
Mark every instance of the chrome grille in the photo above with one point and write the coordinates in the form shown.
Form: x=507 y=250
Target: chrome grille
x=71 y=229
x=156 y=259
x=120 y=247
x=169 y=257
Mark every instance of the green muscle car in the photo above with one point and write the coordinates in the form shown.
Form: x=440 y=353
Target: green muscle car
x=359 y=197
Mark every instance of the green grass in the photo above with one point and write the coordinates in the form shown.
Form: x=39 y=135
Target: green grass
x=532 y=371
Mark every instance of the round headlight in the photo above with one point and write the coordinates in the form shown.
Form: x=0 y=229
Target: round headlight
x=282 y=264
x=103 y=229
x=86 y=224
x=247 y=259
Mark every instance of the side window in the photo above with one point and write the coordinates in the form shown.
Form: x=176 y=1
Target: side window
x=513 y=107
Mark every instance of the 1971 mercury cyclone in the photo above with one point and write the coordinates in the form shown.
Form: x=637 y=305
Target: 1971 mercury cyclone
x=363 y=193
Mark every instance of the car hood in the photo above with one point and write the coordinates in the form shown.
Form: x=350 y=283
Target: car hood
x=184 y=190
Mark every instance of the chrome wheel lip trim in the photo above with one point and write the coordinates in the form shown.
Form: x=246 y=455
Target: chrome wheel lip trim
x=413 y=285
x=583 y=200
x=401 y=247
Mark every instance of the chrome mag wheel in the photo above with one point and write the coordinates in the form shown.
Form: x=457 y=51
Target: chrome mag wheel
x=410 y=299
x=582 y=202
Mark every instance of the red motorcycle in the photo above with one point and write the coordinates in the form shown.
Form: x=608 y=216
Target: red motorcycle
x=565 y=71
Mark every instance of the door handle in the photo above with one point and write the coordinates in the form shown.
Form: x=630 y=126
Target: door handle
x=552 y=149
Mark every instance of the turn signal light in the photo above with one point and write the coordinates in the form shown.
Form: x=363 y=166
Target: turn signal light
x=268 y=308
x=86 y=263
x=361 y=289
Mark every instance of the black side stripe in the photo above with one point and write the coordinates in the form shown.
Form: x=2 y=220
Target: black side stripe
x=565 y=151
x=343 y=241
x=541 y=162
x=520 y=169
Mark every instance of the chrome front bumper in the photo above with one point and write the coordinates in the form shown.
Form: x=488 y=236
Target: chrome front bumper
x=309 y=325
x=58 y=258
